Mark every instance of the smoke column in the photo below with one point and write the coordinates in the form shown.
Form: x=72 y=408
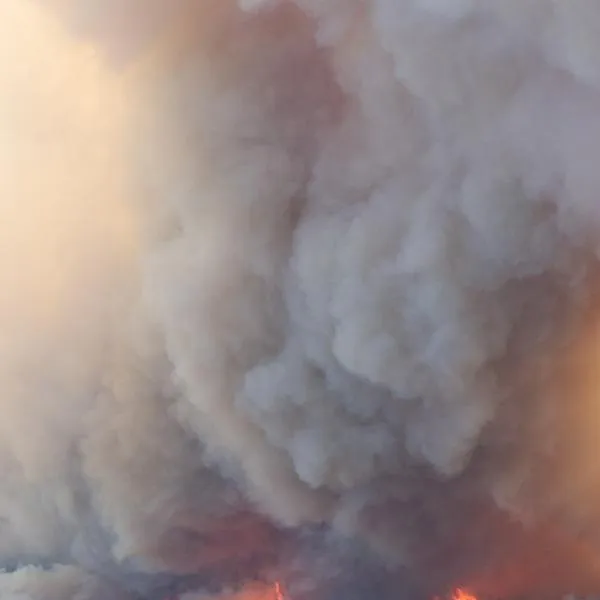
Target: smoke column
x=274 y=265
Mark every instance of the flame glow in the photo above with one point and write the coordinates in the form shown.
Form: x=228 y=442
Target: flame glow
x=459 y=593
x=463 y=594
x=250 y=592
x=278 y=592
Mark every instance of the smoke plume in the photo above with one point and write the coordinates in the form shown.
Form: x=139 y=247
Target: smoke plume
x=275 y=265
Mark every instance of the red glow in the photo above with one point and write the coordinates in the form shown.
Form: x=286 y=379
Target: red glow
x=463 y=594
x=279 y=595
x=253 y=592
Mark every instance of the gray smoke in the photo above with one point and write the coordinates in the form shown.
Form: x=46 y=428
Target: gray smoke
x=275 y=264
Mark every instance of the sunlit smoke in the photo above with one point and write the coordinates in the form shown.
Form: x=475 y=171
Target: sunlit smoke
x=277 y=267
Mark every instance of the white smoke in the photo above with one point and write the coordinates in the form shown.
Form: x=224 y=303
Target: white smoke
x=331 y=261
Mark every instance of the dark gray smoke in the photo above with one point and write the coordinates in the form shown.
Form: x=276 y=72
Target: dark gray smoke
x=275 y=265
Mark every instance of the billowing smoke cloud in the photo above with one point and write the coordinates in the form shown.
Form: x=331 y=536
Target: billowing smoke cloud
x=296 y=263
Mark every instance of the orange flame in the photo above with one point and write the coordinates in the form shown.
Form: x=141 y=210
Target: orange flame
x=252 y=593
x=278 y=592
x=463 y=594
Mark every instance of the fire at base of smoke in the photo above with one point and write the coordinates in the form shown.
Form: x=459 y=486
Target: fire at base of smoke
x=295 y=264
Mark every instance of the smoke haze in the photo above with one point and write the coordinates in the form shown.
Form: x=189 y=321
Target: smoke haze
x=275 y=265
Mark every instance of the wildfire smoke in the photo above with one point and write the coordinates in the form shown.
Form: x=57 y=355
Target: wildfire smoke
x=268 y=267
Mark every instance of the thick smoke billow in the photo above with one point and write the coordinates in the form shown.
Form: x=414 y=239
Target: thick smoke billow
x=274 y=265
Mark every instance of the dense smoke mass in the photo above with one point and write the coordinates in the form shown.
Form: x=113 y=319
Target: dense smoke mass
x=302 y=289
